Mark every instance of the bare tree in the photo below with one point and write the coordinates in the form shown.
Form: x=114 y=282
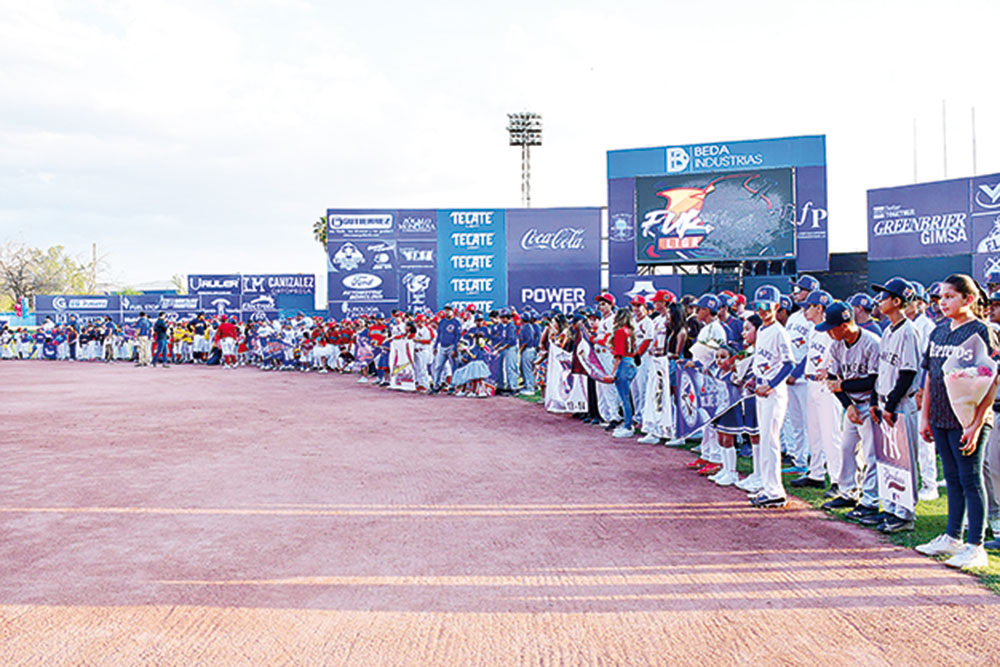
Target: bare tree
x=26 y=271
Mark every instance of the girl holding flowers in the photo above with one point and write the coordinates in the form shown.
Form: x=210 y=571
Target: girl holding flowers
x=959 y=422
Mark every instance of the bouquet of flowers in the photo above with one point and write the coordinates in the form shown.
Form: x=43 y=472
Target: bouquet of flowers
x=968 y=375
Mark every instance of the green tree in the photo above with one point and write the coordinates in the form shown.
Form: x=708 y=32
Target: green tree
x=26 y=271
x=319 y=231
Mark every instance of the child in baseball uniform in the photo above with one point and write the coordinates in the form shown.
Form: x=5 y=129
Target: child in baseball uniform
x=823 y=411
x=897 y=370
x=852 y=373
x=772 y=362
x=794 y=440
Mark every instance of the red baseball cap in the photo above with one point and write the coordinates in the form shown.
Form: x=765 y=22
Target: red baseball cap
x=638 y=300
x=664 y=296
x=605 y=296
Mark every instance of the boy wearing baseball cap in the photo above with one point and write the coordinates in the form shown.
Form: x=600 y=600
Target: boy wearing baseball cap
x=895 y=387
x=772 y=362
x=853 y=370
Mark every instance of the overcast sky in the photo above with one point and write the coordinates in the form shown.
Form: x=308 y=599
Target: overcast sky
x=207 y=136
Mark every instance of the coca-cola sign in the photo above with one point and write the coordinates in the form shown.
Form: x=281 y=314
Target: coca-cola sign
x=566 y=238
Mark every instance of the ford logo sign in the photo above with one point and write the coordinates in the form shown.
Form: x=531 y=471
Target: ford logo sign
x=362 y=281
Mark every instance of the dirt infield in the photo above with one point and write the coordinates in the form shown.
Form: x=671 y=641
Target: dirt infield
x=192 y=515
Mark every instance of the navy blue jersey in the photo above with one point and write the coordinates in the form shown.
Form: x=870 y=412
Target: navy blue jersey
x=943 y=343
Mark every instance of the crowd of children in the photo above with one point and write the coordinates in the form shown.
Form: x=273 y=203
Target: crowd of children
x=815 y=378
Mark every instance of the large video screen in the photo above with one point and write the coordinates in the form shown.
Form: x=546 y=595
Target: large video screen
x=715 y=216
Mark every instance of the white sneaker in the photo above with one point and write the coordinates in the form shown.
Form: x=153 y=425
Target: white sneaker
x=749 y=482
x=649 y=439
x=459 y=394
x=942 y=545
x=928 y=494
x=362 y=380
x=726 y=478
x=969 y=555
x=621 y=432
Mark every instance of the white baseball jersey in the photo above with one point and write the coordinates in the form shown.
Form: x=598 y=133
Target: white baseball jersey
x=712 y=334
x=818 y=352
x=856 y=361
x=659 y=346
x=798 y=330
x=898 y=351
x=644 y=330
x=605 y=329
x=772 y=350
x=923 y=326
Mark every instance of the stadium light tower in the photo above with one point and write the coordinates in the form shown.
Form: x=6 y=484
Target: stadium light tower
x=525 y=130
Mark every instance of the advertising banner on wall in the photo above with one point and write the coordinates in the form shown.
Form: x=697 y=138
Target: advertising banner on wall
x=812 y=234
x=712 y=217
x=61 y=307
x=621 y=226
x=220 y=304
x=921 y=220
x=281 y=283
x=361 y=261
x=224 y=283
x=472 y=269
x=553 y=257
x=417 y=272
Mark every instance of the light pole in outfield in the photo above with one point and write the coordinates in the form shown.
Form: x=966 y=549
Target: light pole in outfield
x=525 y=130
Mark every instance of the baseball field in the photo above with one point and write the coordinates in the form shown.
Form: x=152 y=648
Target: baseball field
x=200 y=516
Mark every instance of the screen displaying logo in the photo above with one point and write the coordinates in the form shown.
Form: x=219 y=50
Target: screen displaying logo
x=748 y=215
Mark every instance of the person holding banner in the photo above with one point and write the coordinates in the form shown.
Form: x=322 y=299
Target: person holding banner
x=643 y=339
x=729 y=424
x=657 y=406
x=772 y=362
x=960 y=445
x=624 y=349
x=894 y=388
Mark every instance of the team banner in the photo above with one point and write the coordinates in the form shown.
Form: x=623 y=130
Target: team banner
x=705 y=217
x=896 y=474
x=417 y=272
x=473 y=269
x=226 y=283
x=402 y=365
x=621 y=226
x=591 y=362
x=553 y=257
x=658 y=413
x=700 y=399
x=565 y=391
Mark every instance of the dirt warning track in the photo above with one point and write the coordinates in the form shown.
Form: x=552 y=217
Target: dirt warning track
x=199 y=515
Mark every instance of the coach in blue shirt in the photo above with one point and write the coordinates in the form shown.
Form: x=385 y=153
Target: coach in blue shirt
x=528 y=342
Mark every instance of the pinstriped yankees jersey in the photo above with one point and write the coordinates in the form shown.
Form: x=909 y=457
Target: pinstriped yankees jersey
x=898 y=351
x=856 y=361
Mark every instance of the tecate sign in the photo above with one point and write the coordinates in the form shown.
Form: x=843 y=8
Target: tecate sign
x=370 y=222
x=472 y=219
x=362 y=281
x=567 y=238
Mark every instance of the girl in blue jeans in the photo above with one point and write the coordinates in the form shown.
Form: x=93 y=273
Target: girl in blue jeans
x=623 y=348
x=960 y=448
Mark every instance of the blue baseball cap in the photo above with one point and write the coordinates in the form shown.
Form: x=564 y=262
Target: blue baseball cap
x=709 y=301
x=934 y=291
x=919 y=292
x=861 y=300
x=785 y=303
x=995 y=297
x=726 y=300
x=819 y=298
x=896 y=287
x=993 y=276
x=804 y=282
x=837 y=313
x=766 y=296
